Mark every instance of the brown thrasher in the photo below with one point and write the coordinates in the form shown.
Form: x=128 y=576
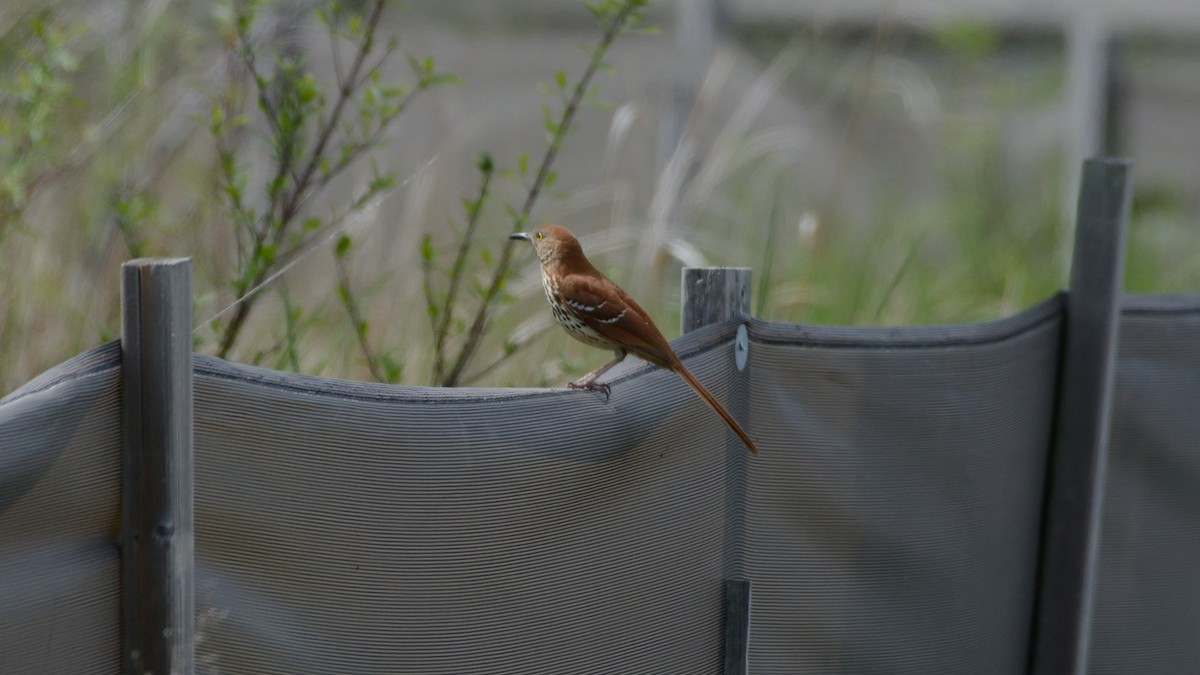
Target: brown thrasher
x=595 y=311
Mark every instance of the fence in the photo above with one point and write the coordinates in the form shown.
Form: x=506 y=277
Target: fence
x=928 y=500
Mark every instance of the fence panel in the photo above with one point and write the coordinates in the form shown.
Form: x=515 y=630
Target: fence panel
x=351 y=528
x=60 y=501
x=893 y=524
x=1148 y=588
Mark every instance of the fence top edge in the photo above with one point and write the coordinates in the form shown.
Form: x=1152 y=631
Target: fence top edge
x=912 y=337
x=106 y=356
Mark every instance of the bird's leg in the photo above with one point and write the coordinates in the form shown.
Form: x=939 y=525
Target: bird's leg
x=589 y=381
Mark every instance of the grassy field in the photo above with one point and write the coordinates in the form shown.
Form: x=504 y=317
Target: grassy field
x=911 y=180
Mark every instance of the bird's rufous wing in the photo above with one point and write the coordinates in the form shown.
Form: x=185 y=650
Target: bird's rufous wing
x=602 y=306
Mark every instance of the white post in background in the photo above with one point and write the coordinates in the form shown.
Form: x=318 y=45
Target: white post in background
x=1087 y=53
x=695 y=41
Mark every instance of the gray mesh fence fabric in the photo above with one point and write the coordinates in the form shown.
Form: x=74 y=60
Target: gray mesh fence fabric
x=60 y=482
x=891 y=524
x=351 y=528
x=1148 y=587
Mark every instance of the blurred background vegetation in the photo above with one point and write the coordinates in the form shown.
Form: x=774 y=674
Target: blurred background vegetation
x=881 y=168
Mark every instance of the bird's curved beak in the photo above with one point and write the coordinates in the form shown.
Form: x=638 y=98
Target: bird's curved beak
x=520 y=235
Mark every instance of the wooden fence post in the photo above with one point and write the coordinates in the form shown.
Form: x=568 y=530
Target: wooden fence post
x=1075 y=483
x=157 y=543
x=715 y=295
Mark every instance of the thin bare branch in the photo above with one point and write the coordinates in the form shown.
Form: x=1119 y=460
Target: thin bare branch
x=345 y=93
x=442 y=328
x=357 y=320
x=503 y=266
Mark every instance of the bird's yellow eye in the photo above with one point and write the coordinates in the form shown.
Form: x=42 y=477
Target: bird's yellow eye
x=539 y=235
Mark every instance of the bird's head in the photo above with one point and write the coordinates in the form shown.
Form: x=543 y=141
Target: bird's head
x=553 y=243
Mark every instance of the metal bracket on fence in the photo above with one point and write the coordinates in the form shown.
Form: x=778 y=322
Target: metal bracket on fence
x=157 y=539
x=1075 y=482
x=737 y=627
x=741 y=347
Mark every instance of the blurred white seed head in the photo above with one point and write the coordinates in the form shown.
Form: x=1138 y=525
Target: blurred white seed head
x=807 y=227
x=622 y=122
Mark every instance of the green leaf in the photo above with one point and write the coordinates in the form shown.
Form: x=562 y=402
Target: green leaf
x=484 y=163
x=427 y=250
x=343 y=246
x=560 y=78
x=276 y=185
x=391 y=368
x=245 y=20
x=523 y=162
x=393 y=91
x=382 y=181
x=310 y=224
x=307 y=88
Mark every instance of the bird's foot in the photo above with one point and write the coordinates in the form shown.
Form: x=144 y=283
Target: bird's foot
x=592 y=385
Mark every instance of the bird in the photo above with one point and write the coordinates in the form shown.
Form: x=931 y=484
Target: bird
x=597 y=312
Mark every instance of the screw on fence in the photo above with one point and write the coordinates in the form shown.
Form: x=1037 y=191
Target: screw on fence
x=713 y=295
x=157 y=544
x=1075 y=483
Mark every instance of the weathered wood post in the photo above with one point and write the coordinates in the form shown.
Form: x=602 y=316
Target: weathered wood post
x=157 y=576
x=713 y=295
x=716 y=295
x=1071 y=534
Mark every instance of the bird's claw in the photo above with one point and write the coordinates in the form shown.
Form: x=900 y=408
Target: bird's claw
x=593 y=386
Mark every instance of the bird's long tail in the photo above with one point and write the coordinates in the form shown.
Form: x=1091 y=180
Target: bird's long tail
x=715 y=405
